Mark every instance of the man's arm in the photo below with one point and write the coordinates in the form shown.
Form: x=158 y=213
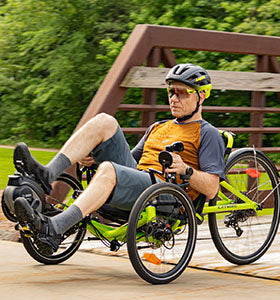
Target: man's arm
x=203 y=182
x=138 y=149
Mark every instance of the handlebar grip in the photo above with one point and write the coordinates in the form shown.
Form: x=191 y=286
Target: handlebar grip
x=175 y=147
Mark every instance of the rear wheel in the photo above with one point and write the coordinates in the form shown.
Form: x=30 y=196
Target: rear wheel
x=161 y=249
x=243 y=236
x=73 y=237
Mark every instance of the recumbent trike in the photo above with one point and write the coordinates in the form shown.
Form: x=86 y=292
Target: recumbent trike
x=160 y=232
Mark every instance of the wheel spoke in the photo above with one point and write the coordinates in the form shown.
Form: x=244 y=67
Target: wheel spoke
x=74 y=237
x=162 y=248
x=243 y=236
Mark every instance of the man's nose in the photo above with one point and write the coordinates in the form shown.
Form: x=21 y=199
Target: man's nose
x=175 y=98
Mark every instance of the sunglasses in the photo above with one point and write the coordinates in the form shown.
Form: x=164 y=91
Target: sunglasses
x=176 y=91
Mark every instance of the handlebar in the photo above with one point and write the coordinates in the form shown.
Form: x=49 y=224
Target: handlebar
x=165 y=159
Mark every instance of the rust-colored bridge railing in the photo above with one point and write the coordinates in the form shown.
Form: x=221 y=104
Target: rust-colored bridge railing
x=151 y=45
x=146 y=77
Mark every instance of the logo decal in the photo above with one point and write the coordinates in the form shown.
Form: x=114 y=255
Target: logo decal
x=165 y=141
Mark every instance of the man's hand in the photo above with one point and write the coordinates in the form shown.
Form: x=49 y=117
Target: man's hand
x=87 y=161
x=203 y=182
x=178 y=166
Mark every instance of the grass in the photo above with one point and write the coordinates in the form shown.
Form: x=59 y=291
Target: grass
x=7 y=166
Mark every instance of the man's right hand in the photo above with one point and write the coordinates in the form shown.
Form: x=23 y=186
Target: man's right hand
x=87 y=161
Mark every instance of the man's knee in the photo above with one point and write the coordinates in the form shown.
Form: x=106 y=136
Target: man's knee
x=104 y=124
x=106 y=173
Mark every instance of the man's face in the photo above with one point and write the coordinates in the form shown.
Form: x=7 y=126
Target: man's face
x=182 y=99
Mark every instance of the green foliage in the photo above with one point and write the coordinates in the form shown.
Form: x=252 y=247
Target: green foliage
x=55 y=54
x=51 y=62
x=250 y=16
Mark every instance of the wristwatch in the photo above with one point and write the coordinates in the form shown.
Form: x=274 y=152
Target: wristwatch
x=188 y=173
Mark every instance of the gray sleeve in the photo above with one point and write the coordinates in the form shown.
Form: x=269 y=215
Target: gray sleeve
x=211 y=151
x=138 y=149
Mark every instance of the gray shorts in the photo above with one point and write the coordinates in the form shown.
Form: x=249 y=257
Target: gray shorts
x=130 y=182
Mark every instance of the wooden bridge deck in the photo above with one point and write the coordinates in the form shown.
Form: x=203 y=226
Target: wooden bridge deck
x=207 y=257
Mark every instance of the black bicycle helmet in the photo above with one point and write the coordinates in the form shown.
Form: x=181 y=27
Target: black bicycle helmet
x=191 y=75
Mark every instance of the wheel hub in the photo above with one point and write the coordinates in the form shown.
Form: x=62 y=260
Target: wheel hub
x=160 y=233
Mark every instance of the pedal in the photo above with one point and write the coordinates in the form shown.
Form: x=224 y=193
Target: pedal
x=25 y=229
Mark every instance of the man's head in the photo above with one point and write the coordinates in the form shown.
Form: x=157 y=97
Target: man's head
x=189 y=85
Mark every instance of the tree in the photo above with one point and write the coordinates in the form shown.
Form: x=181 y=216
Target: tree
x=249 y=16
x=55 y=54
x=50 y=63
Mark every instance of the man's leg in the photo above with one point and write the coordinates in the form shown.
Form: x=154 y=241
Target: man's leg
x=96 y=131
x=97 y=192
x=52 y=229
x=111 y=146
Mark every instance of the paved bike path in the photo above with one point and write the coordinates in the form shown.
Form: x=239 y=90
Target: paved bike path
x=206 y=257
x=91 y=276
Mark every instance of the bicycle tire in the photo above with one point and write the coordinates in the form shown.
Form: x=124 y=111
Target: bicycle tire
x=154 y=258
x=7 y=213
x=73 y=241
x=243 y=236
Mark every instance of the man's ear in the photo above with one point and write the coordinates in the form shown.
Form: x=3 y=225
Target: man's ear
x=202 y=98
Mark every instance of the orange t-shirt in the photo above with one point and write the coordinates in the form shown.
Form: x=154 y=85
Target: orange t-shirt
x=163 y=134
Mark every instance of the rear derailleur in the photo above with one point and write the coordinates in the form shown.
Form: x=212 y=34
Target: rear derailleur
x=233 y=218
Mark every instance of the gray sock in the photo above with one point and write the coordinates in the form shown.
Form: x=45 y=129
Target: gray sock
x=57 y=165
x=68 y=218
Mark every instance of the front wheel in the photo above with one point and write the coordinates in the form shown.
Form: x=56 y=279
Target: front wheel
x=74 y=236
x=161 y=247
x=243 y=236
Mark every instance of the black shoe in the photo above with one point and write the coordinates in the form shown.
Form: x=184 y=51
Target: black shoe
x=31 y=166
x=45 y=237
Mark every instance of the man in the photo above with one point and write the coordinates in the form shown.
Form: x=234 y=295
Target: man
x=122 y=175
